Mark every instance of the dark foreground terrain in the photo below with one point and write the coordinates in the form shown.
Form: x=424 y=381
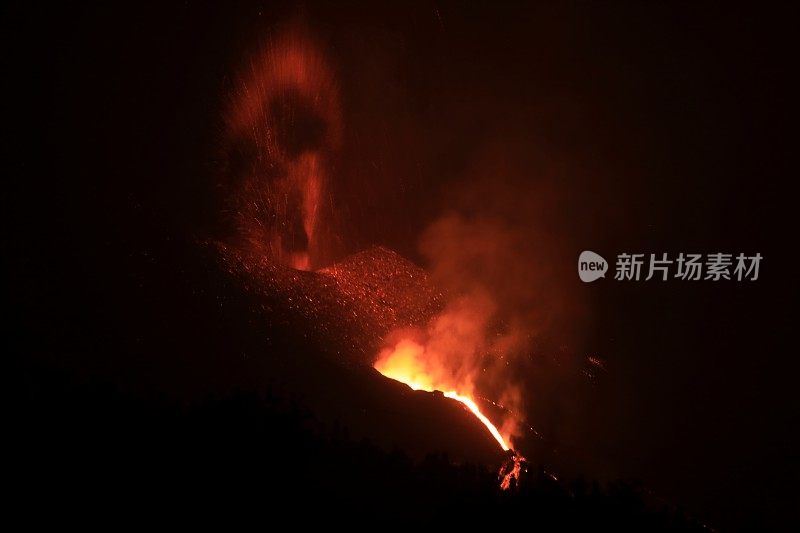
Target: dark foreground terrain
x=87 y=450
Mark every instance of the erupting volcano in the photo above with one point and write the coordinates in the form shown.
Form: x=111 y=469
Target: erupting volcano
x=283 y=126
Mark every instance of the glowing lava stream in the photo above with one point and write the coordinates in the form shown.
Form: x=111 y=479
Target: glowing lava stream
x=404 y=365
x=477 y=412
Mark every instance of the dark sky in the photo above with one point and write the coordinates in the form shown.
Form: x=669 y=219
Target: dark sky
x=618 y=128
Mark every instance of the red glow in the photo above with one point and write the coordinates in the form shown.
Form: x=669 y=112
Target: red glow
x=283 y=122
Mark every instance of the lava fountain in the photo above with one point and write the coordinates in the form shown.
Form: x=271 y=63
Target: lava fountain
x=282 y=128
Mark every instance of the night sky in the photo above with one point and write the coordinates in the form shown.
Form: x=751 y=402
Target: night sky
x=624 y=127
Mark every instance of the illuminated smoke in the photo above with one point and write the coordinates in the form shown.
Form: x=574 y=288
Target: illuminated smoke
x=501 y=301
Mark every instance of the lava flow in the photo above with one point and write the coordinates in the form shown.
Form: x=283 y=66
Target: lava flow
x=407 y=363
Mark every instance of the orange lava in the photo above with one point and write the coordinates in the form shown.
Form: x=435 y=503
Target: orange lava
x=407 y=363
